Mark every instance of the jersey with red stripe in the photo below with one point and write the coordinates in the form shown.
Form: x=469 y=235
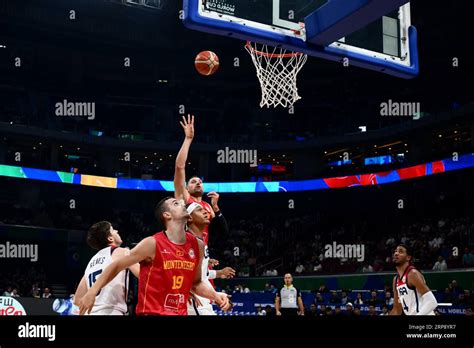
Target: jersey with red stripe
x=208 y=208
x=164 y=284
x=408 y=296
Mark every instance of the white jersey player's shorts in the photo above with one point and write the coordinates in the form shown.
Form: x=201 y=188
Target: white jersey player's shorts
x=107 y=311
x=206 y=308
x=202 y=310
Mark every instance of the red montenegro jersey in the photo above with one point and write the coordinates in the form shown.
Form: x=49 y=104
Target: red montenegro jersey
x=164 y=284
x=208 y=208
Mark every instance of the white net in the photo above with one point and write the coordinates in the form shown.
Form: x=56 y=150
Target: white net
x=277 y=70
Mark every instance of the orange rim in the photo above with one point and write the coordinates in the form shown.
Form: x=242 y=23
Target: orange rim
x=272 y=55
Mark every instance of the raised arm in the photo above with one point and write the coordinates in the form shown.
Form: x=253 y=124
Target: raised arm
x=180 y=191
x=144 y=251
x=120 y=252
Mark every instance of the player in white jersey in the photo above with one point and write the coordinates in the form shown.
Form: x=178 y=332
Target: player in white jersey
x=411 y=294
x=112 y=299
x=196 y=225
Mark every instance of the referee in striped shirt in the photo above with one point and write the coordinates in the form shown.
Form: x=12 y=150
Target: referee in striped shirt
x=288 y=300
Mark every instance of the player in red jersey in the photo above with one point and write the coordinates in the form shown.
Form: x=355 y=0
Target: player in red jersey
x=170 y=267
x=194 y=190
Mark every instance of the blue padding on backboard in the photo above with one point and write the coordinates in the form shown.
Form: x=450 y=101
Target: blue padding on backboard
x=339 y=18
x=193 y=20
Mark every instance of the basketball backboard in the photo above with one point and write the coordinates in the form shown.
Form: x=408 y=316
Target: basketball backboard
x=373 y=34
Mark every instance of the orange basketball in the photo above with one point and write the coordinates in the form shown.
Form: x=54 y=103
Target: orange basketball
x=207 y=63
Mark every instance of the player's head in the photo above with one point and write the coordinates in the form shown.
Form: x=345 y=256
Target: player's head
x=169 y=209
x=199 y=215
x=402 y=255
x=102 y=235
x=195 y=187
x=288 y=279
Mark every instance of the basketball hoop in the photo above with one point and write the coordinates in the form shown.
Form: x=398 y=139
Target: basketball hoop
x=277 y=70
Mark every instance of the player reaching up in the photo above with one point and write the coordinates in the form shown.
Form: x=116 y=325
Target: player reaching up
x=194 y=189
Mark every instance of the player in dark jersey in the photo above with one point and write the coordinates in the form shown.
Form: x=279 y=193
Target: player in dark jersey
x=170 y=267
x=411 y=294
x=196 y=225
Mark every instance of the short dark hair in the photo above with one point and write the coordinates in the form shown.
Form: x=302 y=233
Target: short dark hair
x=407 y=248
x=161 y=208
x=98 y=234
x=409 y=251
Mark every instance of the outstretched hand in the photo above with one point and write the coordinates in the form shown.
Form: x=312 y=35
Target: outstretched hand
x=214 y=196
x=188 y=126
x=226 y=273
x=86 y=303
x=213 y=262
x=222 y=300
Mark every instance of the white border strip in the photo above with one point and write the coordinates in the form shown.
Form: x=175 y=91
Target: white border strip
x=281 y=22
x=405 y=59
x=405 y=23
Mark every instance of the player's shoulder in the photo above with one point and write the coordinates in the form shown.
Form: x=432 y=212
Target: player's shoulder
x=413 y=273
x=192 y=237
x=148 y=243
x=119 y=251
x=190 y=200
x=152 y=239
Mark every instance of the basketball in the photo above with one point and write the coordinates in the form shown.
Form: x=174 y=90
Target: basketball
x=207 y=63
